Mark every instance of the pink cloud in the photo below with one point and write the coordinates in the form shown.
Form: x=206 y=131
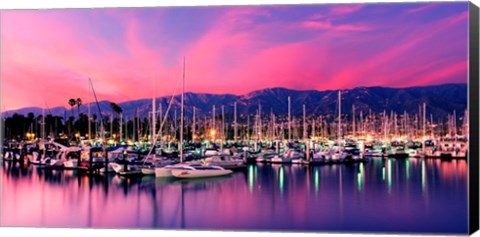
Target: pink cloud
x=237 y=53
x=421 y=8
x=326 y=25
x=346 y=9
x=377 y=66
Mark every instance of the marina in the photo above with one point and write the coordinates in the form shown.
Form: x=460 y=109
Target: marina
x=302 y=118
x=424 y=194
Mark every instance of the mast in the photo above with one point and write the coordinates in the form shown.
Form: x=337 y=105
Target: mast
x=181 y=119
x=89 y=115
x=213 y=122
x=134 y=135
x=235 y=121
x=424 y=118
x=289 y=121
x=304 y=124
x=223 y=124
x=248 y=128
x=259 y=121
x=339 y=116
x=43 y=132
x=193 y=125
x=354 y=128
x=161 y=126
x=154 y=113
x=361 y=124
x=313 y=127
x=385 y=126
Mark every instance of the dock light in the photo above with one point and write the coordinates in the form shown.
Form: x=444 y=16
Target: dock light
x=77 y=135
x=213 y=132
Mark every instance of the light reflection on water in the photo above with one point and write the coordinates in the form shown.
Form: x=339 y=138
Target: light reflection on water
x=413 y=196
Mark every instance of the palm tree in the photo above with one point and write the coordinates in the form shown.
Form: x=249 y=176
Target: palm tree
x=79 y=102
x=72 y=102
x=116 y=109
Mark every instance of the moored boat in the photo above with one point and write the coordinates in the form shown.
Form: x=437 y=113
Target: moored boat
x=201 y=171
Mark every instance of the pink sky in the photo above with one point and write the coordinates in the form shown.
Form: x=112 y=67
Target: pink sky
x=48 y=55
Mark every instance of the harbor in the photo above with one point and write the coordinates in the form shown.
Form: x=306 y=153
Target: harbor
x=265 y=172
x=349 y=118
x=421 y=193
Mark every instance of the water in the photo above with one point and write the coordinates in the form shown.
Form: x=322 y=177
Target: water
x=409 y=196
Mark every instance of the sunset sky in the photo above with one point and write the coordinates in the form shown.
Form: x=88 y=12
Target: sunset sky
x=48 y=55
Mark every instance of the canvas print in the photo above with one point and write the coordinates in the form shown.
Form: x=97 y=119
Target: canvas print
x=310 y=118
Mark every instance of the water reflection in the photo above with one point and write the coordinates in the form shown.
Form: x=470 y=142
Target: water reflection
x=411 y=195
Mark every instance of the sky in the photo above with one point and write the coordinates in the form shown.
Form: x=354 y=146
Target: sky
x=47 y=56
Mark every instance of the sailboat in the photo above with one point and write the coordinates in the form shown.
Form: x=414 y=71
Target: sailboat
x=188 y=170
x=337 y=153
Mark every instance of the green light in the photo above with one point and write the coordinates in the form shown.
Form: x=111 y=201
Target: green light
x=250 y=178
x=360 y=177
x=383 y=173
x=408 y=169
x=389 y=175
x=423 y=176
x=359 y=181
x=316 y=181
x=281 y=178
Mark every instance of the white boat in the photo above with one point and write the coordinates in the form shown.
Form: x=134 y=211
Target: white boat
x=51 y=162
x=288 y=157
x=148 y=171
x=166 y=171
x=188 y=171
x=71 y=164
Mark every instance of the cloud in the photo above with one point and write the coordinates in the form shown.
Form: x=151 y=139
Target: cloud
x=421 y=8
x=326 y=25
x=239 y=49
x=345 y=9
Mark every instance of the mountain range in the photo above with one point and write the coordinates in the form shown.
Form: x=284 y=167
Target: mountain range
x=440 y=101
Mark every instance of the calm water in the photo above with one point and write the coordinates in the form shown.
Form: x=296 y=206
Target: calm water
x=414 y=196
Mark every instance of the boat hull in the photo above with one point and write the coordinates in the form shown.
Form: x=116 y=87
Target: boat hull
x=199 y=173
x=163 y=172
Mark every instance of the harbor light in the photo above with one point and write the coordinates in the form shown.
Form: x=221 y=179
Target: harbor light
x=212 y=133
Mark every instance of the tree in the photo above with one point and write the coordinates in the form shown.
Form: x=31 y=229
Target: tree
x=117 y=110
x=79 y=102
x=72 y=102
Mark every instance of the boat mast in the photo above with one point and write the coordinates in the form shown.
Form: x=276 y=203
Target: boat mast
x=424 y=118
x=213 y=123
x=289 y=121
x=43 y=132
x=224 y=135
x=235 y=121
x=161 y=126
x=259 y=121
x=339 y=116
x=154 y=114
x=354 y=126
x=304 y=124
x=89 y=114
x=193 y=125
x=181 y=119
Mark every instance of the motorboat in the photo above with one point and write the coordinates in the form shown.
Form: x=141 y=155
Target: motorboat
x=201 y=171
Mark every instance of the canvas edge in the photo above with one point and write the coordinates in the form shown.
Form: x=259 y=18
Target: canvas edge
x=473 y=108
